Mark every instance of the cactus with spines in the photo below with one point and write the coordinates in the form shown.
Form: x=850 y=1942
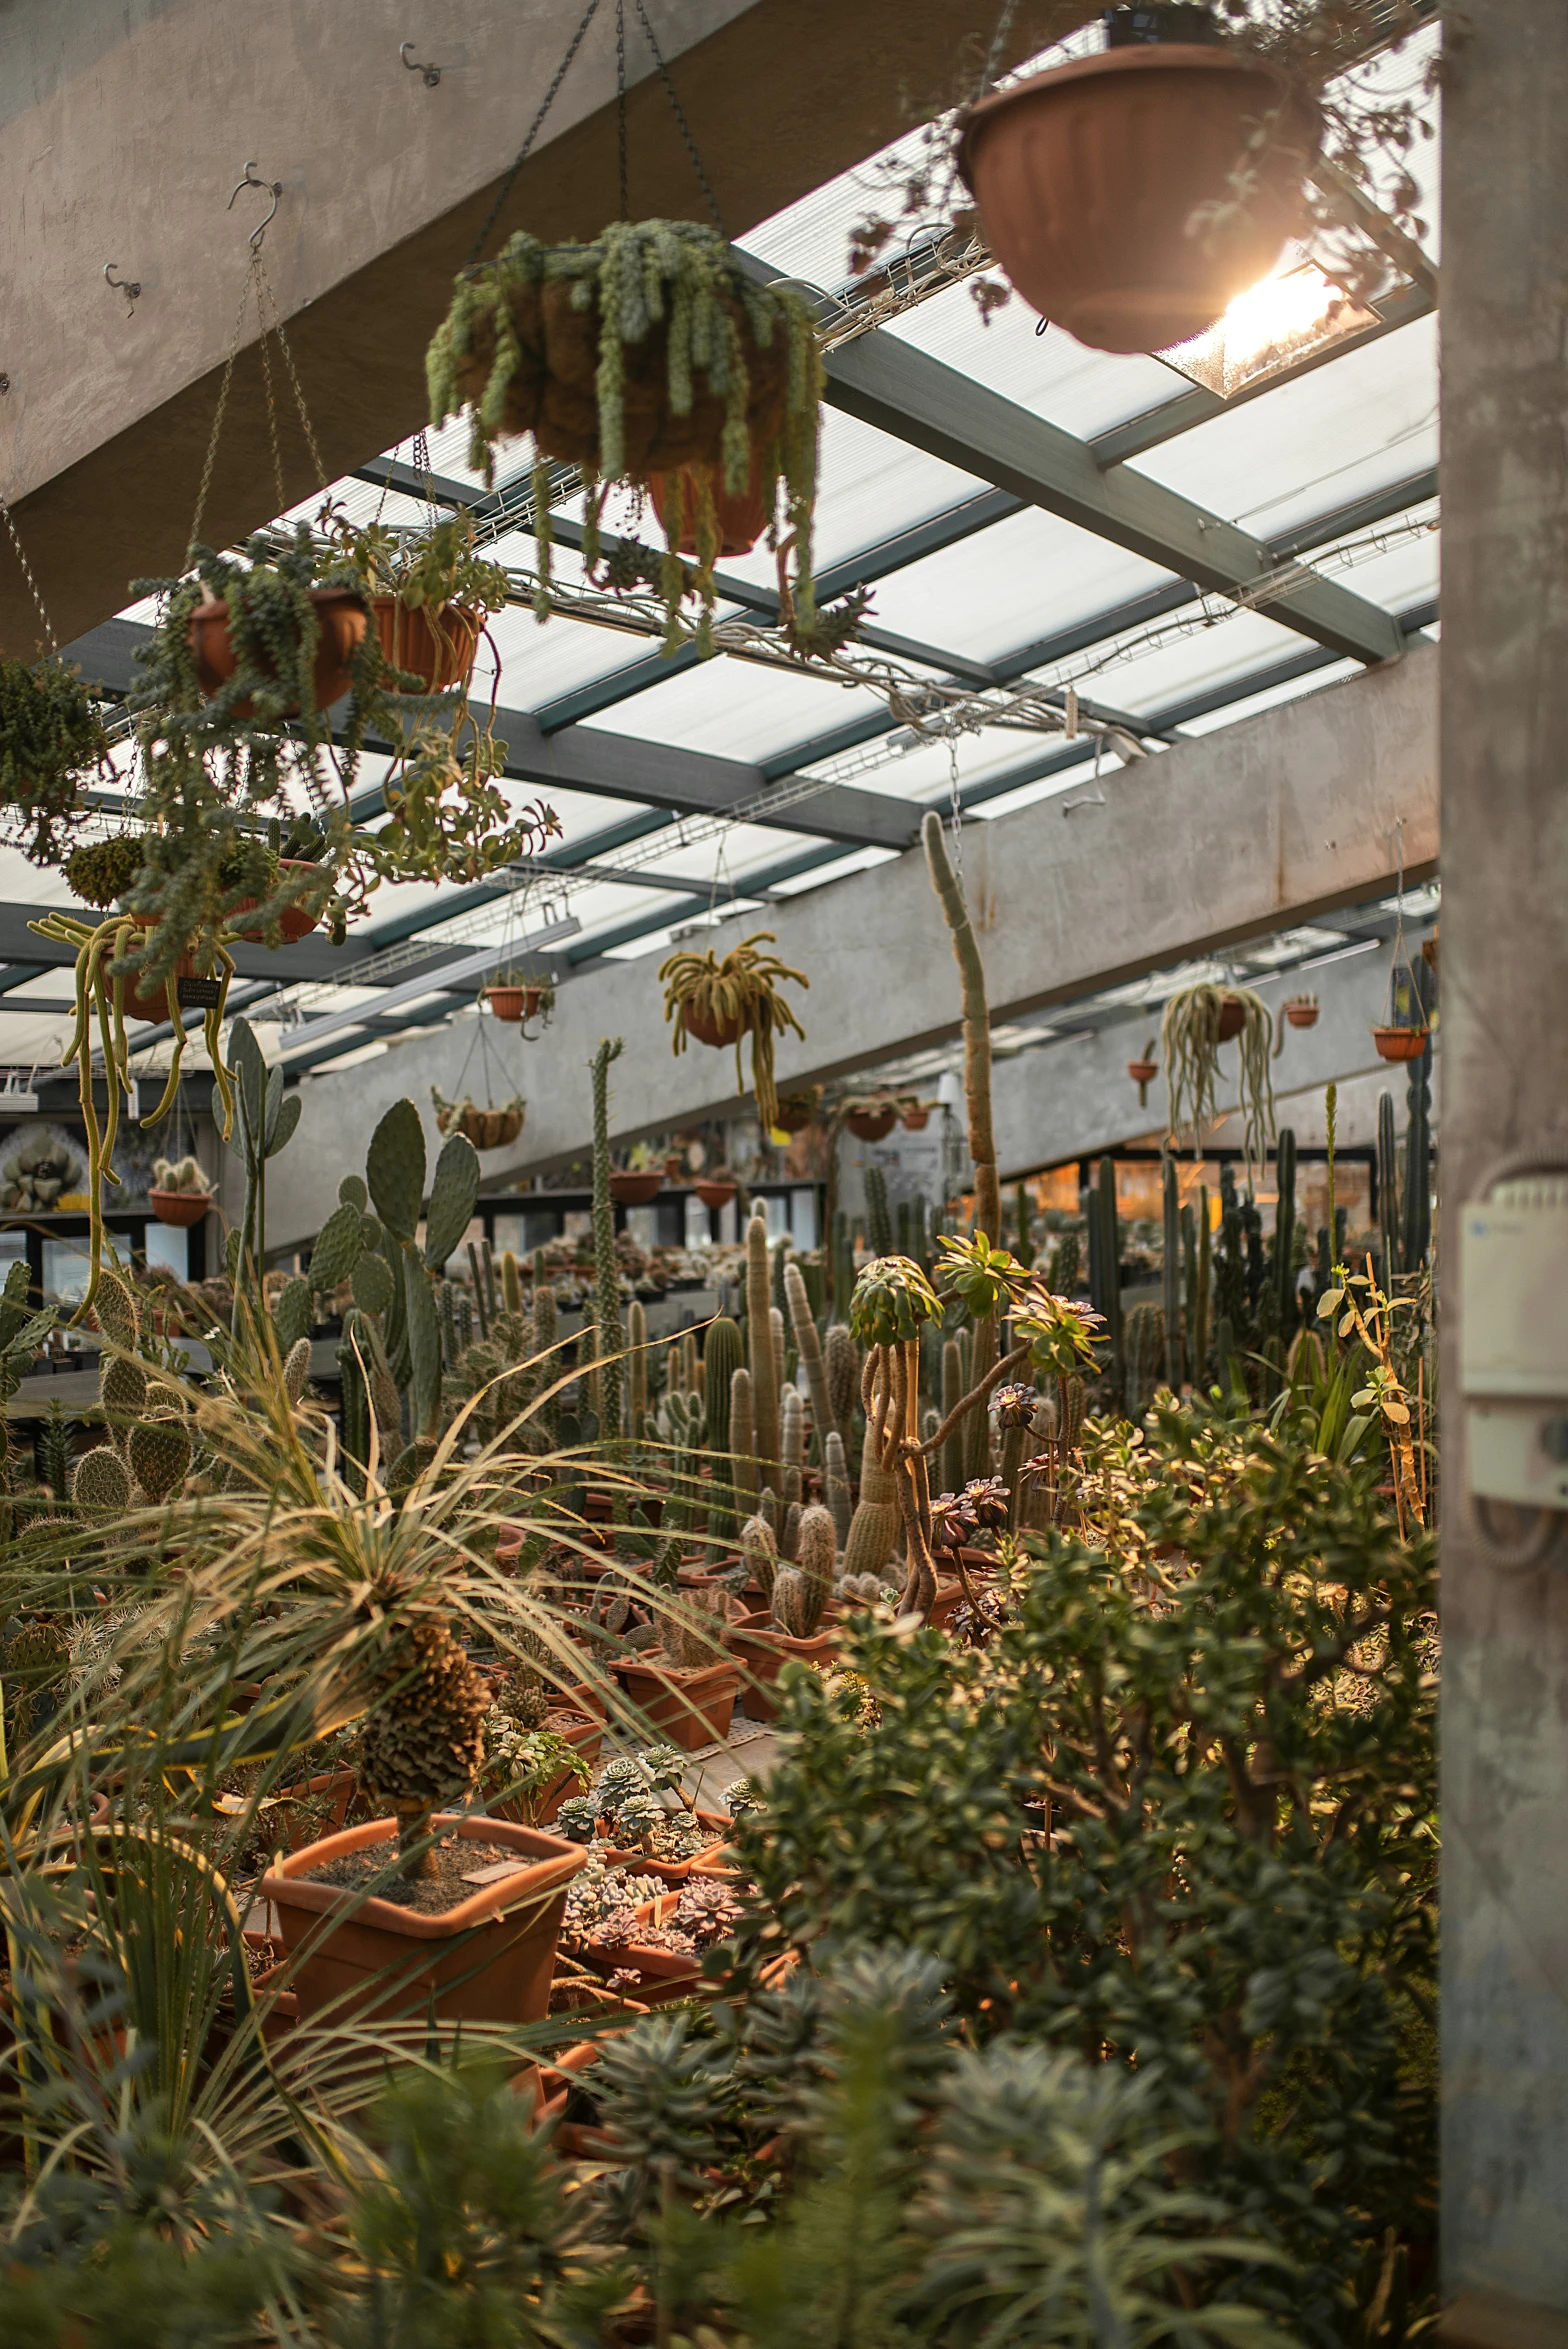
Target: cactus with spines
x=101 y=1483
x=264 y=1120
x=879 y=1222
x=637 y=1369
x=691 y=1646
x=780 y=1352
x=159 y=1452
x=720 y=1361
x=768 y=1507
x=54 y=1457
x=691 y=1376
x=1075 y=1406
x=1144 y=1341
x=842 y=1357
x=1416 y=1236
x=954 y=1390
x=759 y=1551
x=1105 y=1268
x=789 y=1533
x=481 y=1305
x=836 y=1484
x=451 y=1345
x=296 y=1372
x=761 y=1360
x=1201 y=1309
x=1065 y=1276
x=511 y=1283
x=792 y=1444
x=808 y=1348
x=801 y=1591
x=1390 y=1221
x=873 y=1529
x=1170 y=1273
x=606 y=1276
x=122 y=1391
x=682 y=1426
x=1023 y=1246
x=743 y=1442
x=1285 y=1235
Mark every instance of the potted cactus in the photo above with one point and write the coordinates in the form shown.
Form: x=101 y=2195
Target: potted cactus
x=180 y=1194
x=798 y=1593
x=429 y=1908
x=721 y=1003
x=689 y=1692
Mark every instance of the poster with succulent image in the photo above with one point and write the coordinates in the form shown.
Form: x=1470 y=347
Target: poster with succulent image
x=39 y=1166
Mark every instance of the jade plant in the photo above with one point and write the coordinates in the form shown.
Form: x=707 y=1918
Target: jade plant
x=647 y=357
x=721 y=1003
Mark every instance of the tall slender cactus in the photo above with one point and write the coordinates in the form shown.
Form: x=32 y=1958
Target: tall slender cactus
x=759 y=1350
x=977 y=1027
x=606 y=1274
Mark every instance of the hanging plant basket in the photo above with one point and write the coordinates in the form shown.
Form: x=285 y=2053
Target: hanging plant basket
x=795 y=1112
x=720 y=1002
x=711 y=1027
x=1143 y=1072
x=739 y=521
x=1232 y=1019
x=871 y=1125
x=182 y=1209
x=341 y=619
x=487 y=1129
x=514 y=1004
x=1302 y=1011
x=1400 y=1043
x=1091 y=180
x=635 y=1190
x=715 y=1194
x=915 y=1116
x=438 y=647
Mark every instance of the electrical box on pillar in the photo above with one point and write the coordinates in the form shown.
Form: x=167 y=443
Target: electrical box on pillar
x=1514 y=1355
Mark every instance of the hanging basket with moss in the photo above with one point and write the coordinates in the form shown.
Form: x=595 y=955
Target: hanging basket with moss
x=647 y=357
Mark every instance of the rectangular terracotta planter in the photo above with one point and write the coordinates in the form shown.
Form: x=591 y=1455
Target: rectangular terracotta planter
x=585 y=1731
x=488 y=1960
x=761 y=1651
x=665 y=1973
x=691 y=1708
x=707 y=1862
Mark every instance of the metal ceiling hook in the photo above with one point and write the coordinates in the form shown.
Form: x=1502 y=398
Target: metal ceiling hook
x=274 y=187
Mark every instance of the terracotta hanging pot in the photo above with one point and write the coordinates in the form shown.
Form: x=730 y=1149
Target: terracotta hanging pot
x=1302 y=1011
x=341 y=618
x=147 y=1000
x=714 y=1194
x=295 y=921
x=741 y=520
x=514 y=1003
x=439 y=648
x=871 y=1125
x=1400 y=1043
x=1232 y=1019
x=916 y=1120
x=635 y=1190
x=181 y=1209
x=710 y=1030
x=795 y=1112
x=1143 y=1072
x=1088 y=178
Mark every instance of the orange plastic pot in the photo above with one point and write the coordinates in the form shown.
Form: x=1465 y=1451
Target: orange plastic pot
x=692 y=1708
x=341 y=620
x=635 y=1190
x=488 y=1959
x=1302 y=1015
x=1089 y=178
x=1400 y=1043
x=182 y=1209
x=514 y=1003
x=439 y=648
x=741 y=520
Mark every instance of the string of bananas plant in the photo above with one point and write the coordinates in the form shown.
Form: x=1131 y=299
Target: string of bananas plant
x=721 y=1003
x=1191 y=1032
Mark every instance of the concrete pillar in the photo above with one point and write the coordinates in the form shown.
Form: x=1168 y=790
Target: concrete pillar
x=1504 y=727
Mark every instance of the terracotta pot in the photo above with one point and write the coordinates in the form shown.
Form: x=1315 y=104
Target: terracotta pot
x=871 y=1125
x=180 y=1208
x=949 y=1598
x=585 y=1732
x=715 y=1194
x=709 y=1030
x=741 y=520
x=150 y=1001
x=1087 y=178
x=764 y=1652
x=653 y=1966
x=341 y=618
x=707 y=1862
x=635 y=1190
x=1232 y=1019
x=302 y=1812
x=793 y=1117
x=514 y=1003
x=914 y=1121
x=1302 y=1014
x=1143 y=1072
x=439 y=648
x=691 y=1708
x=1400 y=1043
x=479 y=1962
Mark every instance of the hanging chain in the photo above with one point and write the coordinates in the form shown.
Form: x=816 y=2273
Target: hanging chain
x=422 y=468
x=293 y=374
x=956 y=805
x=272 y=421
x=676 y=110
x=223 y=399
x=548 y=101
x=620 y=105
x=27 y=573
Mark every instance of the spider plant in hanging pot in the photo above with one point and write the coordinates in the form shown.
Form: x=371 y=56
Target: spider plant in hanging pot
x=1196 y=1022
x=645 y=355
x=1130 y=194
x=721 y=1003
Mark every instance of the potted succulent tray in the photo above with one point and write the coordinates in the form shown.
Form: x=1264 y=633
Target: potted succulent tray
x=662 y=1950
x=476 y=1941
x=691 y=1709
x=585 y=1732
x=710 y=1861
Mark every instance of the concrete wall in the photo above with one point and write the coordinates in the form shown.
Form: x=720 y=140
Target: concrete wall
x=128 y=122
x=1263 y=823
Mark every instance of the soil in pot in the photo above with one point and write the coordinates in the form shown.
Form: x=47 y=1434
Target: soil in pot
x=341 y=621
x=1088 y=177
x=485 y=1956
x=439 y=648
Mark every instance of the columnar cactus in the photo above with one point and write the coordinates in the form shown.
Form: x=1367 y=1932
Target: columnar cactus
x=790 y=1534
x=760 y=1553
x=1285 y=1233
x=1145 y=1349
x=765 y=1382
x=873 y=1530
x=1171 y=1276
x=842 y=1357
x=792 y=1445
x=607 y=1277
x=780 y=1349
x=808 y=1347
x=954 y=1388
x=637 y=1369
x=743 y=1442
x=802 y=1591
x=836 y=1481
x=720 y=1361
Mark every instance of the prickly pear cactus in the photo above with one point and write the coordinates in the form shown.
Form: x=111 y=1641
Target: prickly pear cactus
x=101 y=1482
x=159 y=1451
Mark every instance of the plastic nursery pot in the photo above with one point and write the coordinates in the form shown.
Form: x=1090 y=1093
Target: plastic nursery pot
x=1400 y=1043
x=514 y=1003
x=1232 y=1019
x=1088 y=177
x=635 y=1190
x=691 y=1708
x=715 y=1194
x=763 y=1652
x=741 y=520
x=439 y=648
x=1302 y=1012
x=477 y=1962
x=341 y=620
x=871 y=1125
x=1143 y=1072
x=708 y=1029
x=180 y=1208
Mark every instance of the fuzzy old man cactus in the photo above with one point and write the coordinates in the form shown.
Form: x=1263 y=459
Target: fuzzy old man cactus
x=423 y=1742
x=801 y=1591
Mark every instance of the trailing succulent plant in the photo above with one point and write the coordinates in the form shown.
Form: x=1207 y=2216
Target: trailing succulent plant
x=647 y=357
x=50 y=735
x=422 y=1744
x=724 y=1002
x=1190 y=1048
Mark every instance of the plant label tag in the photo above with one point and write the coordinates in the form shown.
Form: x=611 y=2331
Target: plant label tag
x=198 y=994
x=494 y=1873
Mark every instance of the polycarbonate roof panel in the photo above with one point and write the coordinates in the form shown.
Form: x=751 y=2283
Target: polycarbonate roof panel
x=738 y=710
x=1083 y=391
